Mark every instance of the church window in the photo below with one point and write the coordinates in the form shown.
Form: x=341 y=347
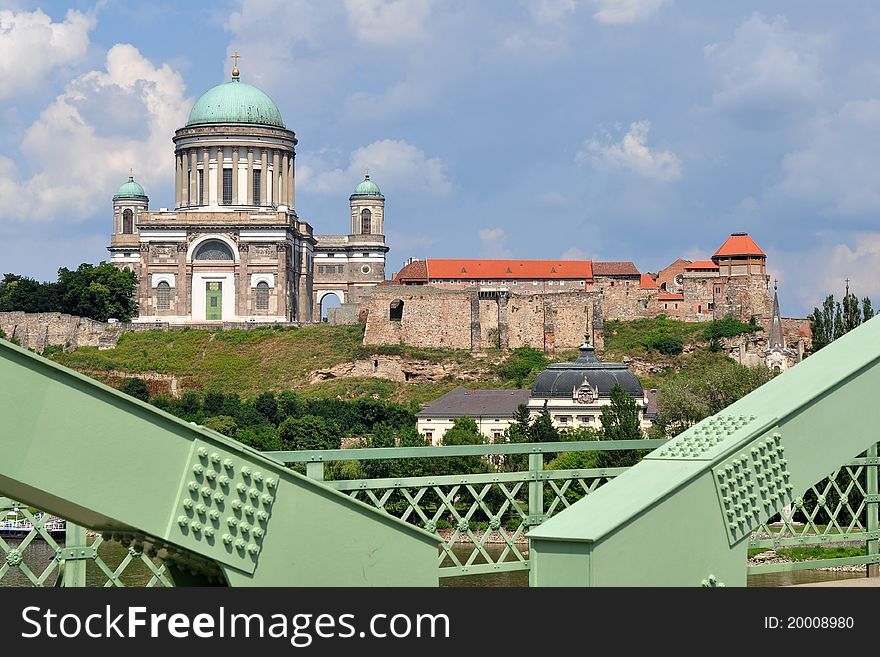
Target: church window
x=201 y=186
x=227 y=186
x=258 y=177
x=127 y=221
x=365 y=269
x=213 y=250
x=395 y=312
x=262 y=295
x=366 y=216
x=163 y=296
x=711 y=306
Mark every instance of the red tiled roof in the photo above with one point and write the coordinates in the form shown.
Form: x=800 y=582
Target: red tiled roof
x=615 y=269
x=648 y=282
x=414 y=272
x=509 y=269
x=739 y=244
x=670 y=297
x=701 y=264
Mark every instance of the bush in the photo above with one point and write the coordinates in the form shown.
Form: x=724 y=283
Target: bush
x=668 y=345
x=729 y=327
x=521 y=363
x=309 y=432
x=137 y=388
x=222 y=424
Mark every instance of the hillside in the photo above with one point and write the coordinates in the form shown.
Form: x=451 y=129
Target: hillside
x=316 y=361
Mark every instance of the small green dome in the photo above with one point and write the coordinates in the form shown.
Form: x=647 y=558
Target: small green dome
x=130 y=189
x=235 y=102
x=367 y=189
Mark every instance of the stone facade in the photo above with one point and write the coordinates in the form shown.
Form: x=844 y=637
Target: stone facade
x=434 y=318
x=36 y=331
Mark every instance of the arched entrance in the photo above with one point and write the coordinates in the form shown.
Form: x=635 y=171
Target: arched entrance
x=213 y=259
x=327 y=300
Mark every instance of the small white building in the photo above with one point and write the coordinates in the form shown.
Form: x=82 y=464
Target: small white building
x=576 y=392
x=492 y=410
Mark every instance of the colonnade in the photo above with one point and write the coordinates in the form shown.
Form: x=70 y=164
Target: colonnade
x=188 y=161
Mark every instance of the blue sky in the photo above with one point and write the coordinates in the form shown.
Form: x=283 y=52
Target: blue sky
x=640 y=130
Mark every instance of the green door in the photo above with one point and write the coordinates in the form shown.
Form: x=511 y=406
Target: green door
x=214 y=300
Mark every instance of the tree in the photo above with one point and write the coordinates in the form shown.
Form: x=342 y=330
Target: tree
x=266 y=405
x=685 y=400
x=464 y=431
x=620 y=421
x=97 y=291
x=542 y=429
x=222 y=424
x=309 y=432
x=137 y=388
x=837 y=319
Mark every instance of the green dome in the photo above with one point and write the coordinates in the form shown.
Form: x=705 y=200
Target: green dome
x=367 y=189
x=130 y=189
x=235 y=102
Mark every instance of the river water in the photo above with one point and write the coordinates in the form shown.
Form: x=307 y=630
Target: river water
x=38 y=555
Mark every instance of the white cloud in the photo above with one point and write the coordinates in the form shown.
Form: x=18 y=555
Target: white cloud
x=621 y=12
x=492 y=243
x=81 y=149
x=609 y=12
x=837 y=172
x=766 y=70
x=33 y=46
x=574 y=253
x=389 y=22
x=631 y=153
x=396 y=166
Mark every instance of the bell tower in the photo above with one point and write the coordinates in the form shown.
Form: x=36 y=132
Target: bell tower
x=367 y=208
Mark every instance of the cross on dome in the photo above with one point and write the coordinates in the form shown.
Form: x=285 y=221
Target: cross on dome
x=235 y=57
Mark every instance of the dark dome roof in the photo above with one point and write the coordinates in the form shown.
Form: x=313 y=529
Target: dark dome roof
x=561 y=379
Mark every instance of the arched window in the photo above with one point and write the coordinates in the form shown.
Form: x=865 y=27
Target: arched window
x=163 y=296
x=366 y=217
x=213 y=250
x=127 y=221
x=262 y=296
x=395 y=312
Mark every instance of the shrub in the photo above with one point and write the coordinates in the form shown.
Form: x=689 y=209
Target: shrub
x=668 y=345
x=137 y=388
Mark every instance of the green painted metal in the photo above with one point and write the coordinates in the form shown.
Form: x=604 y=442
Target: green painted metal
x=235 y=102
x=130 y=189
x=685 y=512
x=305 y=456
x=872 y=510
x=212 y=509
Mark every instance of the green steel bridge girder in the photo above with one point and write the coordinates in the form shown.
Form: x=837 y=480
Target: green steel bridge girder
x=683 y=516
x=217 y=511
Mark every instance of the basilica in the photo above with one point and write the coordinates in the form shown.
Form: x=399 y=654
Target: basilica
x=233 y=248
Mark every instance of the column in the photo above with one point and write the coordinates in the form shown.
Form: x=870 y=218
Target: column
x=281 y=283
x=264 y=162
x=276 y=177
x=193 y=176
x=292 y=179
x=282 y=176
x=235 y=175
x=206 y=176
x=178 y=167
x=220 y=158
x=249 y=191
x=181 y=289
x=244 y=282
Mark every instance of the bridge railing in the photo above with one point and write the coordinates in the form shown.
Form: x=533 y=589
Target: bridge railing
x=482 y=517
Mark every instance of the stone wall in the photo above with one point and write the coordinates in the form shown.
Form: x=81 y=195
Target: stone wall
x=37 y=331
x=347 y=313
x=434 y=317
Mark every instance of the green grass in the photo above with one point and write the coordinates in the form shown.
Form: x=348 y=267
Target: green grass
x=630 y=337
x=813 y=552
x=251 y=361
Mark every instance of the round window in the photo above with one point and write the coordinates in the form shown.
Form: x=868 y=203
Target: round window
x=365 y=269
